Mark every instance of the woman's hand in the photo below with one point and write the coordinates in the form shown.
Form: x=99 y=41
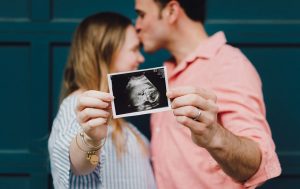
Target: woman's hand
x=93 y=113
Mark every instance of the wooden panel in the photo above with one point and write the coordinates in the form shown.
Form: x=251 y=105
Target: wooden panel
x=15 y=85
x=40 y=10
x=76 y=9
x=23 y=181
x=261 y=10
x=282 y=182
x=265 y=21
x=59 y=54
x=12 y=181
x=9 y=10
x=23 y=159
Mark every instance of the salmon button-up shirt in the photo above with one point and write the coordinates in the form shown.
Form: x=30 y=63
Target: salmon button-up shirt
x=181 y=164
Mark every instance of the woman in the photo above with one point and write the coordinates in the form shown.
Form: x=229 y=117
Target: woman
x=84 y=151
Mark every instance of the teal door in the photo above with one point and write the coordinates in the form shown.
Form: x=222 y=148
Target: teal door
x=34 y=42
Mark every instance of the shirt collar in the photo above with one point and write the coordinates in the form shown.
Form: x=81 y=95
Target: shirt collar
x=207 y=49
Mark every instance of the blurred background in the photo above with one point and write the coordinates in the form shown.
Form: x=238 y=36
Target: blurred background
x=34 y=42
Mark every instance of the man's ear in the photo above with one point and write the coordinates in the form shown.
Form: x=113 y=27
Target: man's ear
x=172 y=11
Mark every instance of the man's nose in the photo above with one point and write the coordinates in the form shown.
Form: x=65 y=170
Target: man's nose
x=137 y=25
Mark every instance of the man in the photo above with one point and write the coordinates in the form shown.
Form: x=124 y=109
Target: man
x=217 y=135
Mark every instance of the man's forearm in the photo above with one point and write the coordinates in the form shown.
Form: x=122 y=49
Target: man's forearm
x=239 y=157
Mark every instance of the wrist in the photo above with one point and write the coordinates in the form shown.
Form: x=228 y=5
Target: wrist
x=90 y=150
x=91 y=141
x=217 y=141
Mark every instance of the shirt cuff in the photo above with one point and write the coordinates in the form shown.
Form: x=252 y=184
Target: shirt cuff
x=269 y=166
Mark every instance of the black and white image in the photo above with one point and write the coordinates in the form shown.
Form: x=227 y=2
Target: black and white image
x=139 y=92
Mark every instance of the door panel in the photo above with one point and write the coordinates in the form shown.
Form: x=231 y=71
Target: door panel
x=34 y=43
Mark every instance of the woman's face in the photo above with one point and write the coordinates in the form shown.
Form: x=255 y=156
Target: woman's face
x=129 y=57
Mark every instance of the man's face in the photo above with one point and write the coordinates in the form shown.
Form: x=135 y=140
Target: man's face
x=151 y=25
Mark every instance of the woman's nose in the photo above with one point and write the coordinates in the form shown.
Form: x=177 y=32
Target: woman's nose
x=141 y=58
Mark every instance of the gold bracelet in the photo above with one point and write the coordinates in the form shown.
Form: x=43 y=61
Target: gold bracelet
x=89 y=145
x=90 y=155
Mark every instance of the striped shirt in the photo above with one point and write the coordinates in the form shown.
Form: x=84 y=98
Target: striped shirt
x=131 y=171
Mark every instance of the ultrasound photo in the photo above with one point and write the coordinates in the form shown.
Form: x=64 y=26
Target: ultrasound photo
x=139 y=92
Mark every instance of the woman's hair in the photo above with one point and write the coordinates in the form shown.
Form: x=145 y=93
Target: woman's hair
x=95 y=43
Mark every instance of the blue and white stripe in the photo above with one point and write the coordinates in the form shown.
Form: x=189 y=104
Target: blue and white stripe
x=131 y=171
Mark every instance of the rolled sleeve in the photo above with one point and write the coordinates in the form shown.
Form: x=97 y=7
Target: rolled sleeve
x=242 y=111
x=243 y=117
x=269 y=168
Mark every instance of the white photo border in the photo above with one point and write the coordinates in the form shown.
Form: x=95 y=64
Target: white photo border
x=155 y=110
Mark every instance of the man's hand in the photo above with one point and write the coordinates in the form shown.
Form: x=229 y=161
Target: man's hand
x=239 y=157
x=196 y=109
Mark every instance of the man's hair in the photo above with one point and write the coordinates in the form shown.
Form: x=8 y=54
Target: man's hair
x=194 y=9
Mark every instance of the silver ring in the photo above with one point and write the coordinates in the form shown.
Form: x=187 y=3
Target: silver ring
x=198 y=115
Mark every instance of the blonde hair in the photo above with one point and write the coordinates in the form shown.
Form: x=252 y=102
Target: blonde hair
x=96 y=41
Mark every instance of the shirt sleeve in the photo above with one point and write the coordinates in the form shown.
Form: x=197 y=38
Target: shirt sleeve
x=242 y=111
x=64 y=129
